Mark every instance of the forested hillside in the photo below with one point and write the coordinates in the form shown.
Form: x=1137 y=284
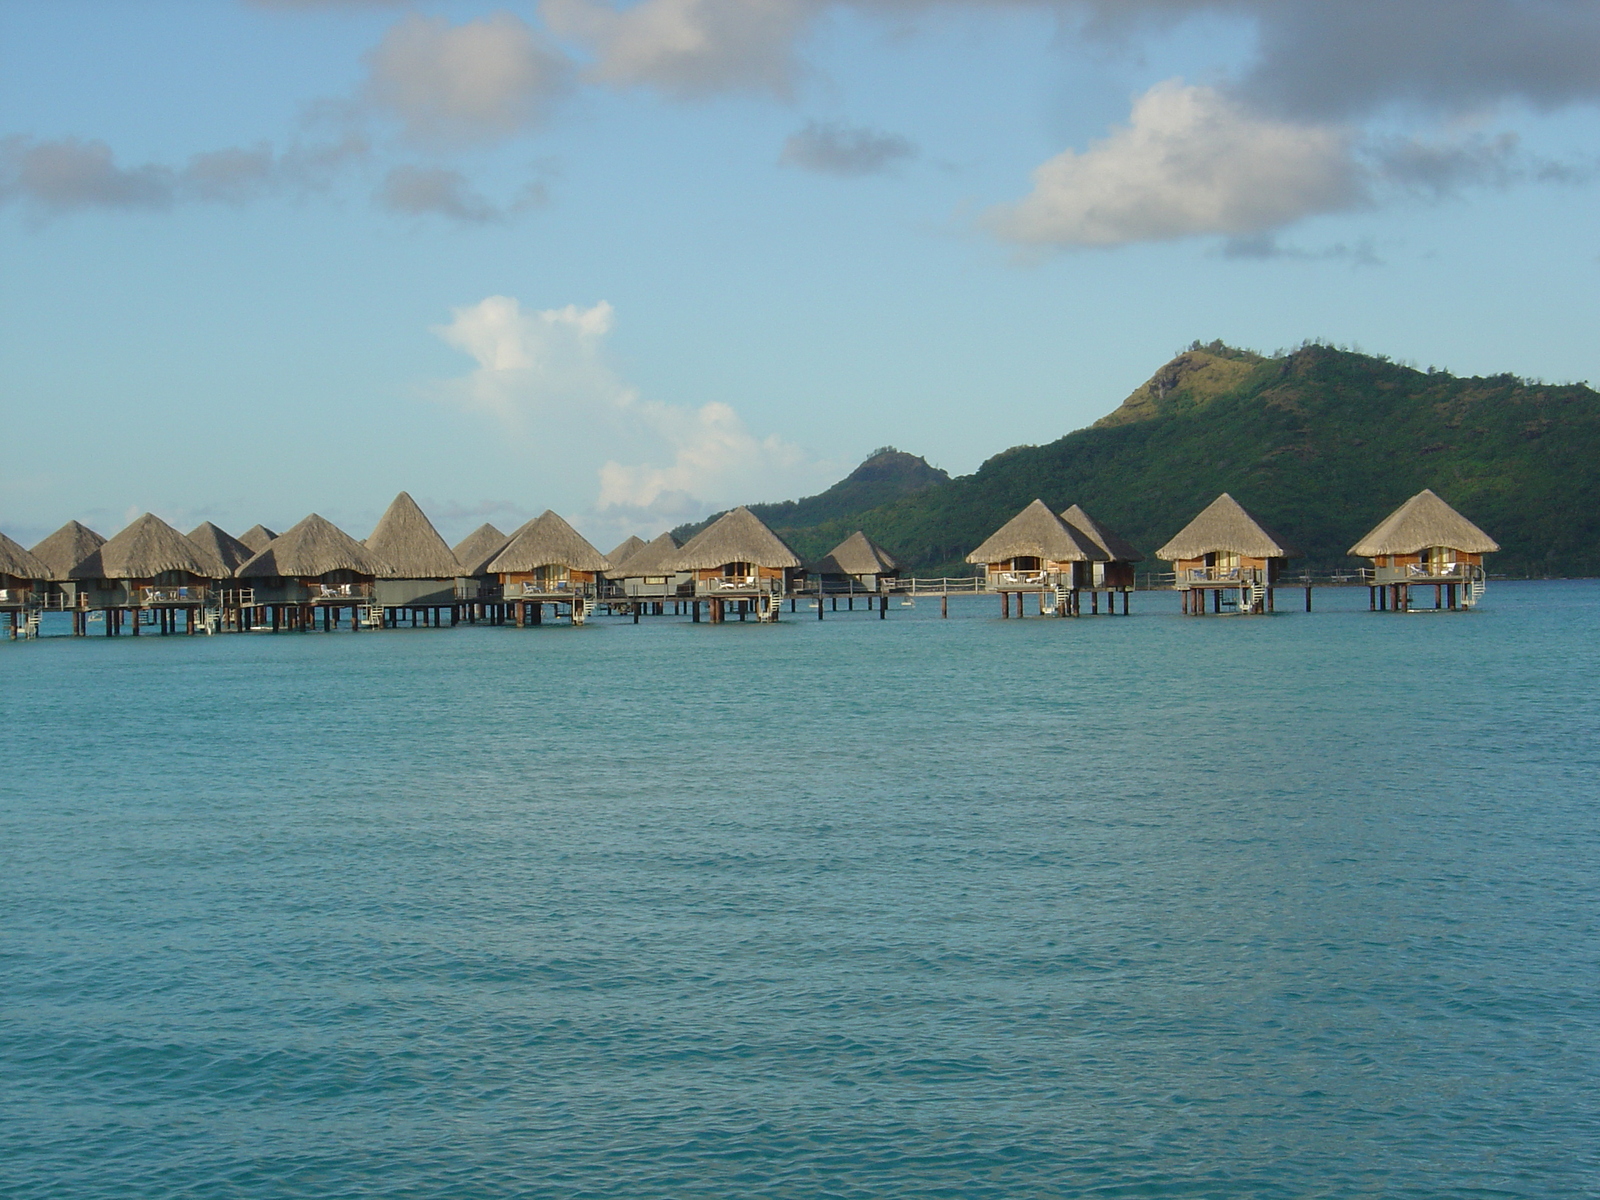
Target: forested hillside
x=1321 y=443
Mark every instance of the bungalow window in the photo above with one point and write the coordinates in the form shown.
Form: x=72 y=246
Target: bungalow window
x=1025 y=562
x=171 y=579
x=737 y=570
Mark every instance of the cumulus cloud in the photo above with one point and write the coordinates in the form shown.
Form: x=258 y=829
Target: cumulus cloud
x=438 y=191
x=544 y=378
x=687 y=47
x=66 y=174
x=486 y=79
x=1189 y=161
x=835 y=149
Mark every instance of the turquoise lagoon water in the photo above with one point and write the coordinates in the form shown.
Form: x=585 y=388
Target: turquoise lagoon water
x=1157 y=907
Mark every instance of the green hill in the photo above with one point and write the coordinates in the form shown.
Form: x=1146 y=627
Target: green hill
x=1320 y=443
x=886 y=475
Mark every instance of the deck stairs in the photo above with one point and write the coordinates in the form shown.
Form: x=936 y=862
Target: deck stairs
x=1475 y=590
x=30 y=624
x=372 y=616
x=1255 y=596
x=1063 y=602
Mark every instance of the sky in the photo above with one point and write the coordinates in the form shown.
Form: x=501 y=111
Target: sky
x=639 y=262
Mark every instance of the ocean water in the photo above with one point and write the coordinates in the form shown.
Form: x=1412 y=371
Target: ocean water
x=1301 y=906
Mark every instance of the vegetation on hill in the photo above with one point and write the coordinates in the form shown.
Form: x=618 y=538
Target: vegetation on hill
x=1320 y=443
x=886 y=475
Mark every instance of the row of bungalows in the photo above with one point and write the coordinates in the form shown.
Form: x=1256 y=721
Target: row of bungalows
x=1227 y=558
x=150 y=574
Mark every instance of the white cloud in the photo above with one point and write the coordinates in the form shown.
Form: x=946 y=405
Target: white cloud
x=543 y=377
x=687 y=47
x=1189 y=161
x=483 y=80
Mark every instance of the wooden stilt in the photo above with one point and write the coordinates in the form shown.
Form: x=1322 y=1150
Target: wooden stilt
x=944 y=604
x=695 y=619
x=1005 y=605
x=883 y=608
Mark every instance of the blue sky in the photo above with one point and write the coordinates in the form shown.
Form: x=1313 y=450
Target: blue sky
x=635 y=263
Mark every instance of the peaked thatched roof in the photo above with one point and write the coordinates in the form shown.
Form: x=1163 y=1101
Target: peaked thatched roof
x=409 y=544
x=1036 y=532
x=547 y=541
x=20 y=563
x=146 y=548
x=313 y=547
x=1225 y=525
x=619 y=557
x=857 y=555
x=737 y=536
x=1116 y=547
x=1421 y=522
x=233 y=553
x=475 y=550
x=660 y=557
x=257 y=537
x=66 y=548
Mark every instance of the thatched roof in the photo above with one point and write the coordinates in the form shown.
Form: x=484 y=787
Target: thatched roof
x=66 y=548
x=1036 y=532
x=233 y=553
x=20 y=563
x=475 y=550
x=257 y=537
x=409 y=544
x=619 y=557
x=660 y=557
x=737 y=536
x=547 y=541
x=1421 y=522
x=314 y=547
x=1116 y=547
x=1225 y=525
x=145 y=549
x=856 y=555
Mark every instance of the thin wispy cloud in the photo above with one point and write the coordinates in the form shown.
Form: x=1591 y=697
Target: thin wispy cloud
x=438 y=191
x=835 y=149
x=56 y=176
x=544 y=379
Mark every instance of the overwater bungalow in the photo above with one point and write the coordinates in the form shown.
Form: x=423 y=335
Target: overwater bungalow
x=1036 y=551
x=60 y=553
x=1116 y=573
x=477 y=585
x=1229 y=554
x=419 y=571
x=650 y=577
x=22 y=583
x=547 y=561
x=229 y=550
x=313 y=568
x=857 y=564
x=738 y=560
x=257 y=537
x=622 y=552
x=149 y=574
x=1422 y=542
